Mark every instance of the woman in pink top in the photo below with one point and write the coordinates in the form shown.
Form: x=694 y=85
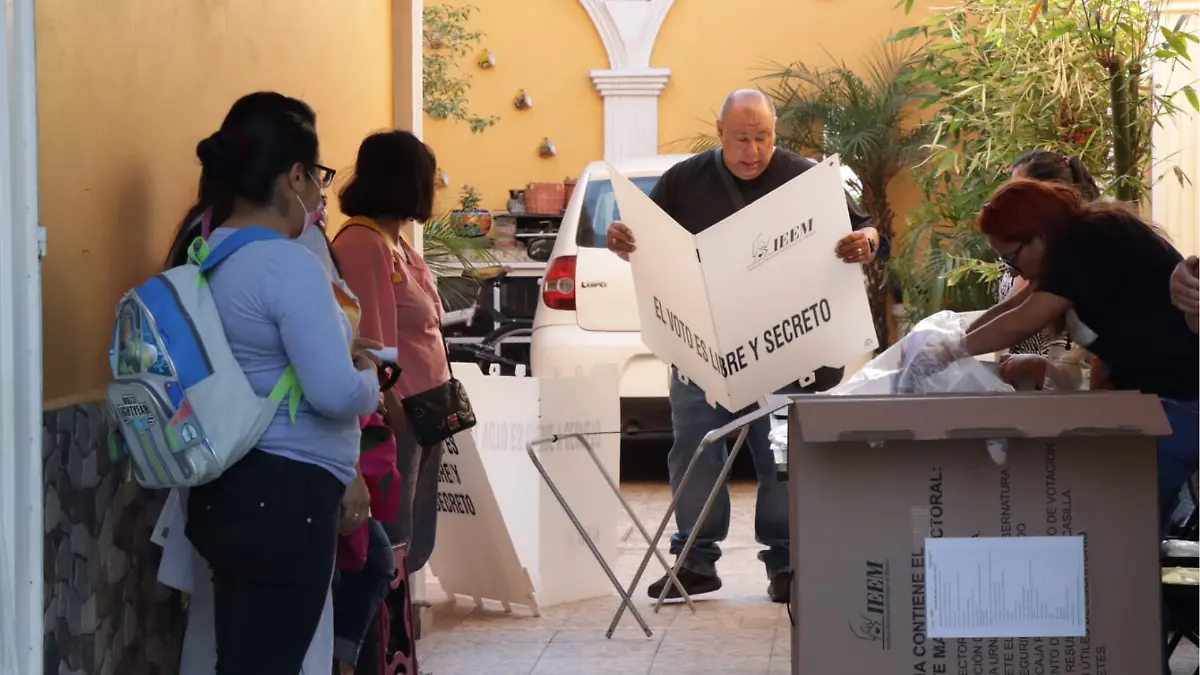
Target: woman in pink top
x=393 y=185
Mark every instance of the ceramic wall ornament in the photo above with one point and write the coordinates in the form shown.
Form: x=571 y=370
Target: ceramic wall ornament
x=487 y=59
x=443 y=179
x=547 y=149
x=522 y=101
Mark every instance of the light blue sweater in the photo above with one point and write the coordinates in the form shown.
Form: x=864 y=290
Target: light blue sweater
x=277 y=307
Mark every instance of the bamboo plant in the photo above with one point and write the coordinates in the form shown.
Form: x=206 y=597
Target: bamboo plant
x=999 y=81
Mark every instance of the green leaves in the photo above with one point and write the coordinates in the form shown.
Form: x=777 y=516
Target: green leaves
x=447 y=40
x=907 y=33
x=1190 y=93
x=447 y=253
x=1004 y=78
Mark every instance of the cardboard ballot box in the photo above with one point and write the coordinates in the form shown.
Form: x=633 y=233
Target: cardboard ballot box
x=878 y=484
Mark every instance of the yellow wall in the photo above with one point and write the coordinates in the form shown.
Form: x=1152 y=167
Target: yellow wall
x=548 y=47
x=126 y=88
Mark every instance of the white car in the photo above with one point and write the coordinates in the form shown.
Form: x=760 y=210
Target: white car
x=588 y=314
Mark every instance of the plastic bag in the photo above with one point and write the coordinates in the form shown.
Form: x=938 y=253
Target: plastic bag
x=906 y=369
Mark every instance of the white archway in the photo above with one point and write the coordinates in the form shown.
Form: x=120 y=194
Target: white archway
x=630 y=87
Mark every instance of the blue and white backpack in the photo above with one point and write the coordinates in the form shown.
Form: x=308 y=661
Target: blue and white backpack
x=184 y=409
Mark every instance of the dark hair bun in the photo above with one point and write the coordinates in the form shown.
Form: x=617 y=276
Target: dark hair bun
x=219 y=155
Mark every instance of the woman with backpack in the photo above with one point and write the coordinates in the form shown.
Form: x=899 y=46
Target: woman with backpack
x=392 y=186
x=267 y=527
x=182 y=567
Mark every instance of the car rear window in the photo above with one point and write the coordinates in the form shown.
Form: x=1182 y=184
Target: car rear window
x=600 y=210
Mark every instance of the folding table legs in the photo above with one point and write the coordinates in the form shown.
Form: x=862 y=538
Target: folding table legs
x=742 y=425
x=616 y=489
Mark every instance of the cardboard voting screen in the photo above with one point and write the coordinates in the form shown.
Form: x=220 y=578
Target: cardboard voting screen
x=758 y=300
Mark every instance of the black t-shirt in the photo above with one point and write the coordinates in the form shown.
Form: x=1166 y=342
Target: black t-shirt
x=1116 y=273
x=694 y=194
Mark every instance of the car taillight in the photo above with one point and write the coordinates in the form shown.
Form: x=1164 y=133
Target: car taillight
x=558 y=286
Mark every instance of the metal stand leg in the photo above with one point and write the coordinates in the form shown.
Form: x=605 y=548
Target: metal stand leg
x=742 y=426
x=712 y=498
x=625 y=599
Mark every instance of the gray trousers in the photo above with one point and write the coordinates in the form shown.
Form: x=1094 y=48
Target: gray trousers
x=416 y=520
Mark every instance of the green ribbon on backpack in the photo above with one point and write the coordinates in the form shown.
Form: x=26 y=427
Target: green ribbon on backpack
x=288 y=386
x=197 y=253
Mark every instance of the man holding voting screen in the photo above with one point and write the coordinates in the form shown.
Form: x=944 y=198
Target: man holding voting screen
x=699 y=193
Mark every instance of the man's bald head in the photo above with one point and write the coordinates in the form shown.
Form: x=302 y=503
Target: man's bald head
x=752 y=99
x=746 y=128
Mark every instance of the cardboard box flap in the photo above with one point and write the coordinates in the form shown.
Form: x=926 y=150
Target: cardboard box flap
x=827 y=419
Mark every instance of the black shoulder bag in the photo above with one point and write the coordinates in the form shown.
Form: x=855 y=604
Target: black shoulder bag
x=441 y=412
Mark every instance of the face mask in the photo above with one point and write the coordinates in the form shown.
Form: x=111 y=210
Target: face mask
x=311 y=218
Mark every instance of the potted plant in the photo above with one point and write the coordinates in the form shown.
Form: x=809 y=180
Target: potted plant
x=447 y=253
x=469 y=219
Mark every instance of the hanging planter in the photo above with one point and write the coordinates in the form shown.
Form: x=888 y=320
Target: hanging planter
x=487 y=59
x=547 y=149
x=522 y=101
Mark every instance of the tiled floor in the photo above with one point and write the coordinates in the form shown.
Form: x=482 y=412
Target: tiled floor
x=735 y=630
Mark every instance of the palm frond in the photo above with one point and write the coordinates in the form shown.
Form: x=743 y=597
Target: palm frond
x=448 y=253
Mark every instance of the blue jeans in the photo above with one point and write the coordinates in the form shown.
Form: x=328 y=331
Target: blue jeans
x=691 y=418
x=1177 y=455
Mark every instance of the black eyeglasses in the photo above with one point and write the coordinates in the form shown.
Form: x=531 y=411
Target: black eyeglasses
x=324 y=175
x=1011 y=259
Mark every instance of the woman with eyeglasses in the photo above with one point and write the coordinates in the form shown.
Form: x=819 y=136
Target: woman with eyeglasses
x=1030 y=360
x=267 y=527
x=1106 y=273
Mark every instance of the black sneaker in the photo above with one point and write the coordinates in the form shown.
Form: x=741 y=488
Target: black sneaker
x=693 y=583
x=780 y=588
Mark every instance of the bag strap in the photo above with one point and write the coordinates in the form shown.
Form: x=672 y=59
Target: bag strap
x=362 y=221
x=449 y=364
x=739 y=202
x=209 y=259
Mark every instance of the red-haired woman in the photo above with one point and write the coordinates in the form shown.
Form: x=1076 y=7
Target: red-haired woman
x=1107 y=272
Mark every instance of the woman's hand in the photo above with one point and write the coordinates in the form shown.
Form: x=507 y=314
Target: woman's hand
x=1021 y=370
x=360 y=351
x=356 y=505
x=859 y=246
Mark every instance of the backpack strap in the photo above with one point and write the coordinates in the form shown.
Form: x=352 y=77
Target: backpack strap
x=232 y=243
x=288 y=384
